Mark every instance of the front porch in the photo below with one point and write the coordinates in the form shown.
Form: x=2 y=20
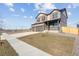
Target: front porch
x=52 y=25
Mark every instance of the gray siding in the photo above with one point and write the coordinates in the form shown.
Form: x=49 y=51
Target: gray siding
x=63 y=20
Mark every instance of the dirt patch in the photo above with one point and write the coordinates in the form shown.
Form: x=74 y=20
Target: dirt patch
x=51 y=43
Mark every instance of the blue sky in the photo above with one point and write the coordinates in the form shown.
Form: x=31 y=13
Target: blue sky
x=22 y=15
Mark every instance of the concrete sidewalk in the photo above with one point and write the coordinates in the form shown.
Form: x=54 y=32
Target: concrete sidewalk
x=17 y=35
x=24 y=49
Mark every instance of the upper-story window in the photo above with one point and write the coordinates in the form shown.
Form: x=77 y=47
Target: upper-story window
x=38 y=20
x=55 y=15
x=43 y=18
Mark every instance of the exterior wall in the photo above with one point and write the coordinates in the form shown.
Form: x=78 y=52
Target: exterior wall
x=54 y=27
x=63 y=20
x=55 y=15
x=49 y=17
x=45 y=27
x=38 y=27
x=40 y=18
x=70 y=30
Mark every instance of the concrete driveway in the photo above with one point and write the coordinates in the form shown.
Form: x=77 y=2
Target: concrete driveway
x=22 y=48
x=22 y=34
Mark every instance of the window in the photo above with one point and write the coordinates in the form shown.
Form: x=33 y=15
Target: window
x=43 y=18
x=38 y=20
x=55 y=15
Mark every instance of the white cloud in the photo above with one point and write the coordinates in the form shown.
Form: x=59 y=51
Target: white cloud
x=42 y=7
x=69 y=6
x=69 y=13
x=22 y=10
x=31 y=17
x=9 y=4
x=11 y=9
x=38 y=6
x=49 y=6
x=25 y=16
x=16 y=15
x=73 y=5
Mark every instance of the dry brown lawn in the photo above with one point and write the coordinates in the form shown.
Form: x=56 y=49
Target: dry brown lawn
x=53 y=44
x=6 y=49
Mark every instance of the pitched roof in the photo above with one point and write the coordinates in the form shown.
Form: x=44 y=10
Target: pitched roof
x=61 y=10
x=40 y=13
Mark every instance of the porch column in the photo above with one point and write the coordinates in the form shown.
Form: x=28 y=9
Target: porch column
x=44 y=26
x=48 y=25
x=58 y=25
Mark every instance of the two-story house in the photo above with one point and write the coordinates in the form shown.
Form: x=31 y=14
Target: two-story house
x=52 y=21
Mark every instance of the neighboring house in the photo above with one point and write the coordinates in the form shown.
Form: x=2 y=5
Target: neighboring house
x=77 y=25
x=52 y=21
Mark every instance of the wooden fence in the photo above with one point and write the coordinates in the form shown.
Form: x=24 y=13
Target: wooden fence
x=70 y=30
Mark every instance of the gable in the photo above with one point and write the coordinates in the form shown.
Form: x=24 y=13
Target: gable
x=41 y=18
x=64 y=12
x=40 y=14
x=55 y=14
